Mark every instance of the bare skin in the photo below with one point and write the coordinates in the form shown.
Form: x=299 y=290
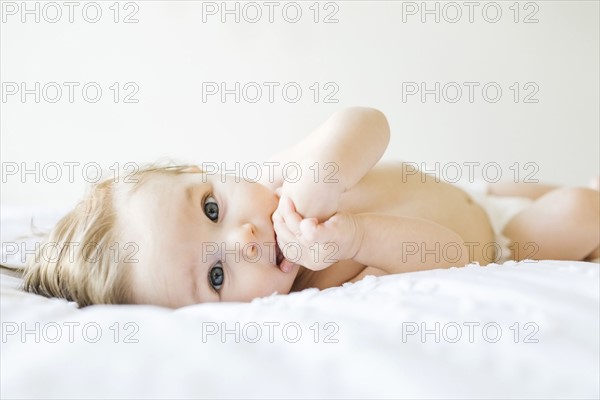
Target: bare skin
x=402 y=208
x=366 y=219
x=563 y=222
x=388 y=191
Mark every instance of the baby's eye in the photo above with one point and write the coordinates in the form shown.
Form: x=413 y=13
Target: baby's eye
x=211 y=208
x=216 y=276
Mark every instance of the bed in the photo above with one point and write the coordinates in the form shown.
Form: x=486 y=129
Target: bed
x=515 y=330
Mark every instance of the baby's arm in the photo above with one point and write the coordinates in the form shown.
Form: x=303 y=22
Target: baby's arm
x=405 y=244
x=389 y=243
x=333 y=159
x=354 y=139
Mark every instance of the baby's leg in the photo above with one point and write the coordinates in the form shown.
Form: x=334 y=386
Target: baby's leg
x=564 y=224
x=530 y=190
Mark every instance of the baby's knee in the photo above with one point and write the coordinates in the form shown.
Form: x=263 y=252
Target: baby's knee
x=577 y=203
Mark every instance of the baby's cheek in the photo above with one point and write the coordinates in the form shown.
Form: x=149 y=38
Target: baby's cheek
x=271 y=283
x=246 y=286
x=267 y=196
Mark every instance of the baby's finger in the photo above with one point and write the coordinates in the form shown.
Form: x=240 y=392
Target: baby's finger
x=308 y=228
x=290 y=216
x=284 y=235
x=276 y=217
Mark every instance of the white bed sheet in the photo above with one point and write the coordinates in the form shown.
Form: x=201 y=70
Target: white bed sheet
x=376 y=354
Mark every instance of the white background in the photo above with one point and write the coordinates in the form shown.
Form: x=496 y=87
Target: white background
x=368 y=54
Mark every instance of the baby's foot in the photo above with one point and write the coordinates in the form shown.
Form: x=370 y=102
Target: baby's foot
x=594 y=183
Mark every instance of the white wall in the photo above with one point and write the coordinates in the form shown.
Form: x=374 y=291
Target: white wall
x=368 y=54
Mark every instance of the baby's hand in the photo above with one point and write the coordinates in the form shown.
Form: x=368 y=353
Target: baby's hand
x=315 y=245
x=311 y=198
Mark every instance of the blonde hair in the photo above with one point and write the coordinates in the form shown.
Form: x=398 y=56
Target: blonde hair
x=96 y=276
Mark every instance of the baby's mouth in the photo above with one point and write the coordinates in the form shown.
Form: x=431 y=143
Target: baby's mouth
x=281 y=262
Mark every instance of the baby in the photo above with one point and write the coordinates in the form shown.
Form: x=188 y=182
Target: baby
x=179 y=236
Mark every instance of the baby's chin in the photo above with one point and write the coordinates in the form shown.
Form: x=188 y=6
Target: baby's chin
x=292 y=276
x=285 y=287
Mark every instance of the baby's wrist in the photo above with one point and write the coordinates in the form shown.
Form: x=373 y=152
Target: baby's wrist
x=353 y=233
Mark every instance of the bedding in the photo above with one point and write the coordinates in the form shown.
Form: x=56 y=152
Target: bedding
x=515 y=330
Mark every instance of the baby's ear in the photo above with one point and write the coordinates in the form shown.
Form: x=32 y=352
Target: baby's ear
x=192 y=168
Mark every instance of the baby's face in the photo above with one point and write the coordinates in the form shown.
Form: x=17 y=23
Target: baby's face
x=202 y=239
